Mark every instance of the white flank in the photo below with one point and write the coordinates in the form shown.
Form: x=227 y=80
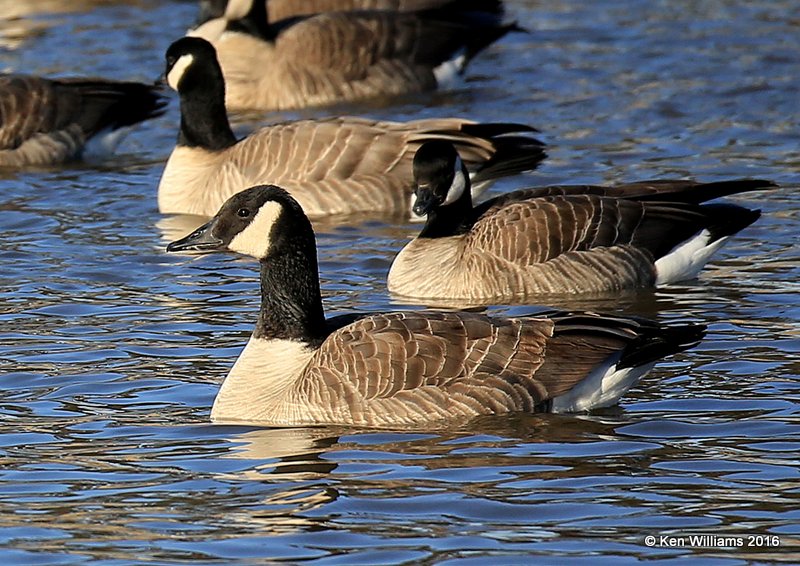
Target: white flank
x=687 y=259
x=178 y=69
x=259 y=379
x=601 y=388
x=447 y=74
x=254 y=240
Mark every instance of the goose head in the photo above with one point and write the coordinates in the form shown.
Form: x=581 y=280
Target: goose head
x=265 y=222
x=190 y=63
x=261 y=222
x=194 y=72
x=440 y=176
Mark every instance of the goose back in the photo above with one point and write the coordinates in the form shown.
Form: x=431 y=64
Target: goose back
x=333 y=166
x=282 y=9
x=408 y=368
x=337 y=57
x=405 y=368
x=560 y=239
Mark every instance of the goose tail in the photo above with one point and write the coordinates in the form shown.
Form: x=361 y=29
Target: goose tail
x=644 y=342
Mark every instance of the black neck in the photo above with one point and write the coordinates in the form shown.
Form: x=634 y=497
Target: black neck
x=453 y=219
x=255 y=22
x=291 y=303
x=204 y=120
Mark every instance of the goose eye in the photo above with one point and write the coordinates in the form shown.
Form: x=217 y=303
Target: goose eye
x=243 y=213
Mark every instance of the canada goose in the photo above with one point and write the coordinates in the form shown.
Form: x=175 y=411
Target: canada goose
x=405 y=367
x=560 y=239
x=282 y=9
x=49 y=121
x=333 y=166
x=337 y=57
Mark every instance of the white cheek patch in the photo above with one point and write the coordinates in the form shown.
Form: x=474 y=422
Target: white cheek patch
x=178 y=70
x=254 y=240
x=457 y=187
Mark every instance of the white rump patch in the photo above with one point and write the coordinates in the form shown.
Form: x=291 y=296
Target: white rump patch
x=687 y=259
x=254 y=239
x=601 y=388
x=178 y=69
x=448 y=74
x=103 y=144
x=457 y=187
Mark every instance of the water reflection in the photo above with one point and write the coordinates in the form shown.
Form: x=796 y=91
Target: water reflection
x=111 y=351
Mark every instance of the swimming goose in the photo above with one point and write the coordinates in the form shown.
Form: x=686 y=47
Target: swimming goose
x=333 y=166
x=49 y=121
x=281 y=9
x=403 y=368
x=339 y=56
x=561 y=239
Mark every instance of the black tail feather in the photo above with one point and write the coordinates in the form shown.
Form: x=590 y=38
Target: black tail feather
x=116 y=104
x=696 y=193
x=647 y=340
x=727 y=219
x=494 y=129
x=513 y=155
x=656 y=341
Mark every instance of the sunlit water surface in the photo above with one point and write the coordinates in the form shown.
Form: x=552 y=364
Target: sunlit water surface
x=111 y=351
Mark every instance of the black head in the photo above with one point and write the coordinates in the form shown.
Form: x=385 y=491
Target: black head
x=193 y=71
x=261 y=222
x=439 y=176
x=192 y=61
x=267 y=223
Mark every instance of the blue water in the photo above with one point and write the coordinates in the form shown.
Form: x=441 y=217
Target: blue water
x=111 y=351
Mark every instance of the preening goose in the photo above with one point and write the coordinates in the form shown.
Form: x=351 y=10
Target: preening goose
x=338 y=56
x=560 y=239
x=334 y=166
x=49 y=121
x=282 y=9
x=405 y=368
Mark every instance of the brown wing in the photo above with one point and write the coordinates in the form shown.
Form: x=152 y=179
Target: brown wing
x=280 y=9
x=347 y=48
x=345 y=164
x=664 y=190
x=29 y=105
x=363 y=44
x=534 y=231
x=421 y=366
x=33 y=105
x=428 y=366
